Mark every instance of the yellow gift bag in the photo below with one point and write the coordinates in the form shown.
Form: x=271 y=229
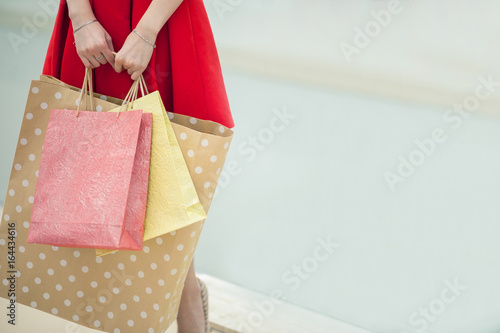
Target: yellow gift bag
x=172 y=199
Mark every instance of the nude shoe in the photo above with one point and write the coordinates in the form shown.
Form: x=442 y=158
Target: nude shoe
x=204 y=300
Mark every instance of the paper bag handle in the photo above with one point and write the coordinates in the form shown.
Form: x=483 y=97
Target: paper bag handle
x=128 y=100
x=86 y=88
x=131 y=96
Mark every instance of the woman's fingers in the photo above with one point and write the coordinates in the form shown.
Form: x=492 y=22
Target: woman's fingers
x=102 y=60
x=135 y=75
x=134 y=56
x=108 y=56
x=109 y=41
x=95 y=48
x=94 y=44
x=118 y=63
x=86 y=63
x=108 y=52
x=135 y=71
x=93 y=61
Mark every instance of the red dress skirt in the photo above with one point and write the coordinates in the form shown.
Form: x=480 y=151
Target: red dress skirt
x=184 y=67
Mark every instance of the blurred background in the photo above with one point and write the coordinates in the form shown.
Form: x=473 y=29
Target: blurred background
x=365 y=177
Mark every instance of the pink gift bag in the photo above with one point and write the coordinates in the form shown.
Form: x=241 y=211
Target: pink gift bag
x=92 y=184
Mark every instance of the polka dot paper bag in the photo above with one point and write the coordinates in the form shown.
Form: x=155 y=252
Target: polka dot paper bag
x=126 y=291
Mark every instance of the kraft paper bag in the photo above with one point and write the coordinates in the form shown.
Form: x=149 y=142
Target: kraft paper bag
x=126 y=291
x=203 y=143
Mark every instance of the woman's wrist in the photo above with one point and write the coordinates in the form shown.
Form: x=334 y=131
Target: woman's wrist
x=155 y=17
x=80 y=12
x=147 y=30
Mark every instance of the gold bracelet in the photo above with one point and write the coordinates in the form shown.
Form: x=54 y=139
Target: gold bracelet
x=147 y=41
x=87 y=23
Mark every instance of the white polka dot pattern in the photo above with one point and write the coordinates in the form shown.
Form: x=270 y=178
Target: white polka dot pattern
x=98 y=292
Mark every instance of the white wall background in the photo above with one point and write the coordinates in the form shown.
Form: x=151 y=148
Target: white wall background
x=322 y=174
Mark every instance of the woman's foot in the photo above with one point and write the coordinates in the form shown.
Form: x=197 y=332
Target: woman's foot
x=191 y=318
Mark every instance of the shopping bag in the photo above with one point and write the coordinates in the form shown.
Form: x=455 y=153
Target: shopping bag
x=172 y=202
x=92 y=184
x=172 y=199
x=74 y=284
x=204 y=145
x=84 y=179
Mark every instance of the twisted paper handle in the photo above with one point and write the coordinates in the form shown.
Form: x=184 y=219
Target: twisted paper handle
x=86 y=88
x=132 y=94
x=127 y=101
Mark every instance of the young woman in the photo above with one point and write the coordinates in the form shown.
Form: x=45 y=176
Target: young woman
x=170 y=42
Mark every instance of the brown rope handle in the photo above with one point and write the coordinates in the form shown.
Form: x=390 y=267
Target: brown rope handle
x=86 y=88
x=143 y=81
x=128 y=100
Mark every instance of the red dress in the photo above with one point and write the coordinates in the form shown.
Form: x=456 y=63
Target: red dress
x=184 y=67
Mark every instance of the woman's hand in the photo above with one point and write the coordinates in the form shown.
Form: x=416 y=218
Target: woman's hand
x=135 y=54
x=94 y=45
x=91 y=40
